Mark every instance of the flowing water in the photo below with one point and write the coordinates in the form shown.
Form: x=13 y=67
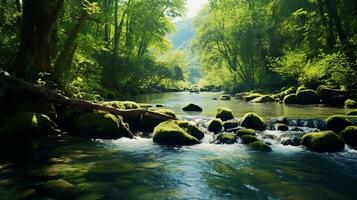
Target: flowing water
x=73 y=168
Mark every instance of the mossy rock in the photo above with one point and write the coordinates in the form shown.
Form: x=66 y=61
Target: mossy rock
x=337 y=123
x=215 y=126
x=57 y=189
x=26 y=125
x=96 y=125
x=349 y=136
x=226 y=138
x=350 y=103
x=352 y=112
x=251 y=96
x=291 y=90
x=326 y=94
x=170 y=133
x=230 y=124
x=281 y=127
x=290 y=99
x=145 y=105
x=338 y=100
x=326 y=141
x=224 y=114
x=253 y=121
x=243 y=132
x=225 y=97
x=259 y=146
x=192 y=108
x=124 y=105
x=307 y=97
x=165 y=111
x=301 y=88
x=190 y=128
x=263 y=99
x=247 y=139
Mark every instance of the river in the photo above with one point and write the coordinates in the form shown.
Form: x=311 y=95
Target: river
x=74 y=168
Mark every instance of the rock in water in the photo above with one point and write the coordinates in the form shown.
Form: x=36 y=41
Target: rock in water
x=215 y=126
x=290 y=99
x=225 y=97
x=281 y=127
x=350 y=103
x=349 y=136
x=225 y=138
x=259 y=146
x=170 y=133
x=352 y=112
x=243 y=132
x=307 y=97
x=326 y=141
x=263 y=99
x=337 y=123
x=191 y=128
x=230 y=124
x=247 y=139
x=253 y=121
x=326 y=94
x=224 y=114
x=192 y=107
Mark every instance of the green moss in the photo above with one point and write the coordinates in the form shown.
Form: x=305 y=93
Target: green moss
x=125 y=105
x=225 y=138
x=247 y=139
x=233 y=123
x=301 y=88
x=350 y=103
x=145 y=105
x=259 y=146
x=290 y=90
x=225 y=97
x=352 y=112
x=224 y=114
x=251 y=96
x=164 y=111
x=263 y=99
x=169 y=133
x=337 y=123
x=326 y=141
x=215 y=126
x=242 y=132
x=192 y=107
x=27 y=124
x=349 y=136
x=191 y=128
x=290 y=99
x=253 y=121
x=307 y=97
x=281 y=127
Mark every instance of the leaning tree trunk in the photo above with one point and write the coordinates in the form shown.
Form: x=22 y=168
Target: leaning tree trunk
x=38 y=19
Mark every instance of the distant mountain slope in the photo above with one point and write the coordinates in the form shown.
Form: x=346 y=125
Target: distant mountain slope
x=184 y=34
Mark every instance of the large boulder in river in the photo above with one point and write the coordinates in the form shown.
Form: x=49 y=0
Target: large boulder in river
x=243 y=132
x=192 y=108
x=326 y=141
x=349 y=136
x=125 y=105
x=224 y=114
x=251 y=96
x=26 y=125
x=225 y=97
x=259 y=146
x=190 y=128
x=247 y=139
x=326 y=94
x=352 y=112
x=337 y=123
x=290 y=99
x=307 y=97
x=226 y=138
x=263 y=99
x=215 y=126
x=230 y=124
x=253 y=121
x=170 y=133
x=281 y=127
x=291 y=90
x=350 y=103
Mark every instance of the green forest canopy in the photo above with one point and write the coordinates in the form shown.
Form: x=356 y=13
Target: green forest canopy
x=95 y=49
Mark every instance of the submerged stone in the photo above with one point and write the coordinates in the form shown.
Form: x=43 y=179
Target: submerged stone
x=226 y=138
x=253 y=121
x=192 y=107
x=170 y=133
x=326 y=141
x=58 y=189
x=337 y=123
x=247 y=139
x=259 y=146
x=243 y=132
x=215 y=126
x=349 y=136
x=224 y=114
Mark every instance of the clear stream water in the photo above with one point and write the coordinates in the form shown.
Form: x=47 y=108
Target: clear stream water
x=140 y=169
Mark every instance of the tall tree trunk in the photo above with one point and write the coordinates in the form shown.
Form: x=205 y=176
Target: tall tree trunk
x=38 y=19
x=330 y=38
x=116 y=27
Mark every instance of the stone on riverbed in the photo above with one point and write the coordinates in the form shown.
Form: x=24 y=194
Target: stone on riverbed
x=226 y=138
x=243 y=132
x=263 y=99
x=247 y=139
x=337 y=123
x=259 y=146
x=192 y=107
x=170 y=133
x=253 y=121
x=349 y=136
x=215 y=126
x=326 y=141
x=224 y=114
x=230 y=124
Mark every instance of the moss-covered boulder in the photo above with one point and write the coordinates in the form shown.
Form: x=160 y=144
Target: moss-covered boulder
x=307 y=97
x=215 y=126
x=301 y=88
x=326 y=94
x=291 y=90
x=350 y=103
x=263 y=99
x=253 y=121
x=338 y=100
x=352 y=112
x=225 y=97
x=122 y=104
x=243 y=132
x=326 y=141
x=251 y=96
x=226 y=138
x=170 y=133
x=247 y=139
x=224 y=114
x=192 y=108
x=230 y=124
x=165 y=111
x=290 y=99
x=337 y=123
x=349 y=136
x=145 y=105
x=281 y=127
x=259 y=146
x=190 y=128
x=26 y=125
